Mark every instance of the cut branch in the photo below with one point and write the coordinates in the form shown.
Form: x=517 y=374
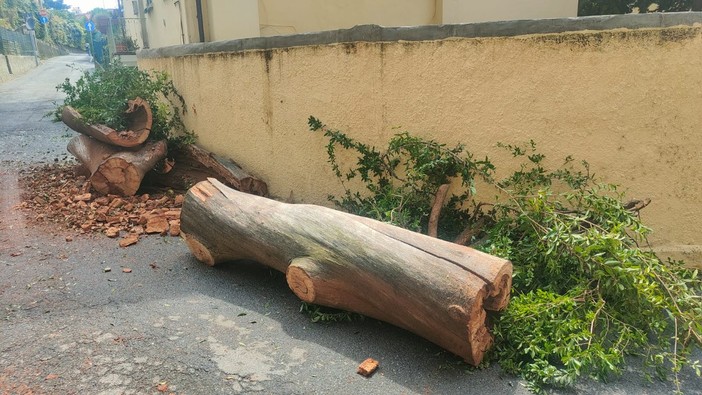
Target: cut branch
x=139 y=117
x=193 y=164
x=433 y=229
x=470 y=231
x=436 y=289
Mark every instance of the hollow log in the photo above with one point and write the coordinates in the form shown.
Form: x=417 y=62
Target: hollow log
x=112 y=170
x=194 y=164
x=433 y=288
x=139 y=118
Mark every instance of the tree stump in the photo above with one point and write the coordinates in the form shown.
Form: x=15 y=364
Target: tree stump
x=433 y=288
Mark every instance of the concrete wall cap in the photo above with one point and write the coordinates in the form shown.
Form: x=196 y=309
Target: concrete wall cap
x=375 y=33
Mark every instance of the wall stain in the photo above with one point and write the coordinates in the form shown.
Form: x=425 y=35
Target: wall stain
x=350 y=47
x=267 y=57
x=599 y=39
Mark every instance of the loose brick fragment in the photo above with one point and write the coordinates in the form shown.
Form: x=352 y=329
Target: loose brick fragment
x=128 y=240
x=157 y=224
x=367 y=367
x=174 y=227
x=112 y=232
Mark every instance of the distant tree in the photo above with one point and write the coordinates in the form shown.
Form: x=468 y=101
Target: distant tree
x=607 y=7
x=56 y=4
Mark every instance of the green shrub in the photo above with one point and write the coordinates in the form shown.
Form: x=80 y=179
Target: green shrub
x=587 y=290
x=101 y=96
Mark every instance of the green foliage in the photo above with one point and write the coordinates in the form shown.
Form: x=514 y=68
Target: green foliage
x=63 y=28
x=587 y=292
x=606 y=7
x=402 y=182
x=327 y=314
x=101 y=97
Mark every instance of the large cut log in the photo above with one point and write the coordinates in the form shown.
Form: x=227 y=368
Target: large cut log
x=114 y=171
x=428 y=286
x=139 y=118
x=193 y=164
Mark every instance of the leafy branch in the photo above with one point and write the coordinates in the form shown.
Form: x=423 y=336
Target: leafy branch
x=587 y=292
x=101 y=96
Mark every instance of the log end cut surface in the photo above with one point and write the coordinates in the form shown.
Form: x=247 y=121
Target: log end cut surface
x=116 y=176
x=201 y=252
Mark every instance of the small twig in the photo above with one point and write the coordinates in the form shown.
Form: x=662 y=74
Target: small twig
x=636 y=205
x=436 y=210
x=592 y=324
x=464 y=237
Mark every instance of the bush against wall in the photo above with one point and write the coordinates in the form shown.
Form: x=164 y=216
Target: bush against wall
x=607 y=7
x=587 y=290
x=101 y=96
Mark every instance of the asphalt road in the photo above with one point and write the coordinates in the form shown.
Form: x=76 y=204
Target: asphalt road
x=69 y=327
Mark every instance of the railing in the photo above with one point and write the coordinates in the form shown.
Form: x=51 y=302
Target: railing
x=16 y=43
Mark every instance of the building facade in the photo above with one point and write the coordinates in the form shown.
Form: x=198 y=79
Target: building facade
x=160 y=23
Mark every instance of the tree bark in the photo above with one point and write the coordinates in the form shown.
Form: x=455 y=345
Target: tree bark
x=140 y=119
x=114 y=171
x=194 y=164
x=433 y=228
x=430 y=287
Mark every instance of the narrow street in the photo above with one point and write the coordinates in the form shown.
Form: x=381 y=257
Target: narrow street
x=173 y=325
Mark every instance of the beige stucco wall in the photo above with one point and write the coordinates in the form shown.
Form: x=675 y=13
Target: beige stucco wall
x=301 y=16
x=627 y=101
x=462 y=11
x=132 y=25
x=288 y=17
x=166 y=23
x=232 y=19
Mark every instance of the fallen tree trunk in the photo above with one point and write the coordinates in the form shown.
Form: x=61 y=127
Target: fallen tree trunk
x=114 y=171
x=194 y=164
x=433 y=288
x=138 y=114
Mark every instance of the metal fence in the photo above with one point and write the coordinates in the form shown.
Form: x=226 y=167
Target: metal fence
x=16 y=43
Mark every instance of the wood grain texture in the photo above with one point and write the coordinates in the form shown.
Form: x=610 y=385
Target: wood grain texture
x=430 y=287
x=139 y=116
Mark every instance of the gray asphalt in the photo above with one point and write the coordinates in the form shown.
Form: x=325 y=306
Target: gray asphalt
x=69 y=327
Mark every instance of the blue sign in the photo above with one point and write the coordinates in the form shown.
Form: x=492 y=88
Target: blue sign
x=89 y=26
x=43 y=20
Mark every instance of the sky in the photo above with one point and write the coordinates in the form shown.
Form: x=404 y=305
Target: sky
x=87 y=5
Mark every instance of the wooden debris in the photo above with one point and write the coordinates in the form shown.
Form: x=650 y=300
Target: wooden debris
x=436 y=289
x=139 y=117
x=60 y=185
x=114 y=171
x=194 y=164
x=367 y=367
